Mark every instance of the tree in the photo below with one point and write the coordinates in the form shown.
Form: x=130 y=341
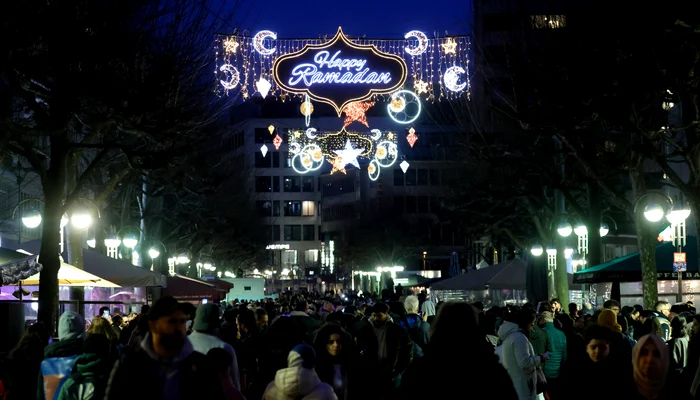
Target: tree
x=101 y=89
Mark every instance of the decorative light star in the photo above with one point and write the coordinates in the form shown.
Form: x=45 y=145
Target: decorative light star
x=412 y=137
x=230 y=46
x=337 y=164
x=277 y=141
x=349 y=155
x=450 y=46
x=420 y=86
x=356 y=112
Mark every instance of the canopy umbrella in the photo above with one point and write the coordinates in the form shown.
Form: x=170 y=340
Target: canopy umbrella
x=69 y=275
x=16 y=266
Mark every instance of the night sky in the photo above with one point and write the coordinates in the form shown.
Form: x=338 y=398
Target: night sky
x=374 y=18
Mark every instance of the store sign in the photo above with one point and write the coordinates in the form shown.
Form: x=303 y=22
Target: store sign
x=340 y=72
x=680 y=262
x=277 y=247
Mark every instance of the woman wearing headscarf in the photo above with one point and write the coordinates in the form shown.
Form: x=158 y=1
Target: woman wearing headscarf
x=650 y=360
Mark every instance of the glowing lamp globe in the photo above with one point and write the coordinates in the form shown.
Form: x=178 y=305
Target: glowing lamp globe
x=551 y=250
x=306 y=108
x=604 y=229
x=153 y=253
x=678 y=216
x=654 y=212
x=568 y=252
x=81 y=220
x=112 y=242
x=581 y=230
x=565 y=229
x=130 y=241
x=537 y=250
x=31 y=219
x=64 y=221
x=91 y=243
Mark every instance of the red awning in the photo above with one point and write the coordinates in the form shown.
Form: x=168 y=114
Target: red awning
x=184 y=288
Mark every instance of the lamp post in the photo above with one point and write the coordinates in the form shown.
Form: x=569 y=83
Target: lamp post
x=425 y=255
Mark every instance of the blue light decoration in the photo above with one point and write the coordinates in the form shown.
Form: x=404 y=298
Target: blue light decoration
x=435 y=68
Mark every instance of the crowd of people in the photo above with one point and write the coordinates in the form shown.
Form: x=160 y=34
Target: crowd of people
x=306 y=346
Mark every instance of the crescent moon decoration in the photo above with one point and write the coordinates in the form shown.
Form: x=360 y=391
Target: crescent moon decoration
x=294 y=147
x=451 y=78
x=376 y=134
x=232 y=74
x=311 y=133
x=411 y=107
x=422 y=43
x=258 y=42
x=373 y=170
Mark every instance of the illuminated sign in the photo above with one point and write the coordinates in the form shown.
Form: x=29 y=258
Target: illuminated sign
x=277 y=247
x=340 y=72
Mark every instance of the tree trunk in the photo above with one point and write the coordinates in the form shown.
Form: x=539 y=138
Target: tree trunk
x=646 y=240
x=561 y=277
x=74 y=237
x=49 y=254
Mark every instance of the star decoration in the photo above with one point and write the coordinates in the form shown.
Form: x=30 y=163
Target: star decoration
x=277 y=141
x=420 y=86
x=230 y=46
x=348 y=155
x=245 y=95
x=356 y=112
x=412 y=137
x=449 y=46
x=337 y=164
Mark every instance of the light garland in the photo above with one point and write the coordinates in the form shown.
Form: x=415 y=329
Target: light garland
x=426 y=71
x=356 y=112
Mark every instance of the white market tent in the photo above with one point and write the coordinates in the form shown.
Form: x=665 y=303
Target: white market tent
x=69 y=275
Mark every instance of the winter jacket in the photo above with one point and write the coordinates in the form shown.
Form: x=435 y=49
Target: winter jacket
x=665 y=326
x=399 y=347
x=88 y=367
x=71 y=335
x=183 y=377
x=520 y=360
x=539 y=340
x=298 y=383
x=557 y=340
x=203 y=342
x=418 y=331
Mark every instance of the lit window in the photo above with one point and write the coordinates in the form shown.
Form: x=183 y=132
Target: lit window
x=309 y=208
x=548 y=21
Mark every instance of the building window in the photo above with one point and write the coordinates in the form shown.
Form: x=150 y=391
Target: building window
x=311 y=257
x=308 y=208
x=435 y=177
x=548 y=21
x=292 y=208
x=423 y=204
x=276 y=208
x=398 y=177
x=289 y=258
x=292 y=232
x=263 y=208
x=275 y=183
x=292 y=184
x=262 y=136
x=410 y=177
x=307 y=184
x=263 y=184
x=309 y=232
x=339 y=187
x=423 y=177
x=275 y=159
x=262 y=162
x=273 y=233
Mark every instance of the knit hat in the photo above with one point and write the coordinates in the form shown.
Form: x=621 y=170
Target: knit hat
x=608 y=319
x=547 y=316
x=207 y=318
x=303 y=356
x=650 y=377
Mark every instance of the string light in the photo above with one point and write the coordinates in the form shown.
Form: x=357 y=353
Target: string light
x=422 y=43
x=420 y=87
x=356 y=112
x=450 y=46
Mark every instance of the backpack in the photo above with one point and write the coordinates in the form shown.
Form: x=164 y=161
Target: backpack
x=55 y=371
x=83 y=387
x=413 y=333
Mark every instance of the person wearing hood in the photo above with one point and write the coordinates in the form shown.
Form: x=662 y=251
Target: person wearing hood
x=92 y=368
x=61 y=355
x=165 y=365
x=517 y=354
x=650 y=360
x=620 y=346
x=299 y=380
x=386 y=351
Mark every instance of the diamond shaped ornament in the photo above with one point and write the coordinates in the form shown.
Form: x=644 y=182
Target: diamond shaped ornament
x=277 y=141
x=263 y=150
x=404 y=166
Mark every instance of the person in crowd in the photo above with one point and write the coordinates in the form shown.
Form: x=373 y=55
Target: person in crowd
x=538 y=337
x=678 y=357
x=335 y=359
x=71 y=336
x=650 y=360
x=624 y=325
x=306 y=326
x=261 y=319
x=165 y=365
x=386 y=351
x=427 y=309
x=553 y=366
x=598 y=363
x=102 y=327
x=613 y=305
x=418 y=329
x=555 y=305
x=488 y=325
x=221 y=361
x=574 y=310
x=587 y=309
x=620 y=347
x=23 y=363
x=117 y=322
x=518 y=355
x=456 y=337
x=299 y=380
x=662 y=309
x=206 y=337
x=632 y=316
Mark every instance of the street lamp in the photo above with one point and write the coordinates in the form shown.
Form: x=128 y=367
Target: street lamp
x=31 y=219
x=564 y=229
x=130 y=241
x=153 y=253
x=604 y=229
x=81 y=219
x=654 y=212
x=537 y=250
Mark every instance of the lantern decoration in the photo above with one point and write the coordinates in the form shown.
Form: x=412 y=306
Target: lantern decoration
x=412 y=137
x=263 y=150
x=271 y=129
x=277 y=141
